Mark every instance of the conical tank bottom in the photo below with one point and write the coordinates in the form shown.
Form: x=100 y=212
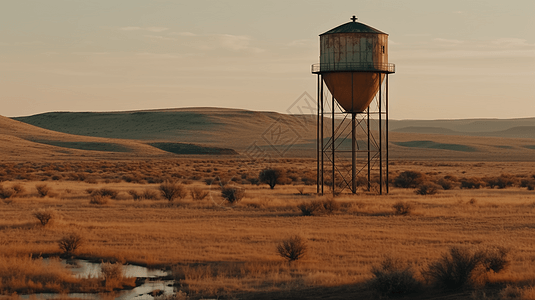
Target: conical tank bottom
x=354 y=91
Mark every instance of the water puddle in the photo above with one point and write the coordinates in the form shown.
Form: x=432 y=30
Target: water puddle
x=85 y=269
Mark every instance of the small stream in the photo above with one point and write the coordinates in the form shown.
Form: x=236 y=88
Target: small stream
x=85 y=269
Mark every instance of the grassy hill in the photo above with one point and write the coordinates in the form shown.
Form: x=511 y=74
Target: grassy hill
x=257 y=134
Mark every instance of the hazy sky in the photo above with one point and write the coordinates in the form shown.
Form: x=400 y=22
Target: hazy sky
x=454 y=59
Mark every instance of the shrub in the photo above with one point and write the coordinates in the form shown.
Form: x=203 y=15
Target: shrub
x=135 y=195
x=104 y=192
x=471 y=183
x=531 y=186
x=19 y=189
x=330 y=205
x=293 y=248
x=111 y=271
x=99 y=199
x=172 y=190
x=269 y=176
x=198 y=193
x=70 y=243
x=308 y=208
x=44 y=215
x=150 y=194
x=503 y=181
x=403 y=208
x=427 y=188
x=6 y=193
x=232 y=194
x=392 y=277
x=409 y=179
x=456 y=268
x=496 y=259
x=446 y=184
x=42 y=190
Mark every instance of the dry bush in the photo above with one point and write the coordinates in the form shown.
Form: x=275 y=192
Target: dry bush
x=99 y=199
x=232 y=194
x=198 y=193
x=427 y=188
x=409 y=179
x=496 y=259
x=70 y=243
x=150 y=194
x=308 y=208
x=502 y=181
x=531 y=186
x=392 y=277
x=172 y=190
x=42 y=190
x=105 y=192
x=6 y=193
x=111 y=271
x=447 y=184
x=292 y=248
x=402 y=208
x=460 y=267
x=270 y=176
x=19 y=189
x=330 y=205
x=45 y=215
x=472 y=183
x=135 y=194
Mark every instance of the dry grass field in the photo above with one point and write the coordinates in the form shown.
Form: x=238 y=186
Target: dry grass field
x=99 y=177
x=217 y=249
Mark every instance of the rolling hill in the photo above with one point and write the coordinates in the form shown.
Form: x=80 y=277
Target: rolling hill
x=252 y=134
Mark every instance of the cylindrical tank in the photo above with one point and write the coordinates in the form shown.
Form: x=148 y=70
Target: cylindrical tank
x=353 y=62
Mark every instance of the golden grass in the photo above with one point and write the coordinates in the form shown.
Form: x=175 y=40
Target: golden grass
x=218 y=249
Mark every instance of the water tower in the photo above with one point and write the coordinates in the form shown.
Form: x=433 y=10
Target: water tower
x=352 y=130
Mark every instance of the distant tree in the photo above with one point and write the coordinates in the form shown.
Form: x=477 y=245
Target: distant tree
x=270 y=176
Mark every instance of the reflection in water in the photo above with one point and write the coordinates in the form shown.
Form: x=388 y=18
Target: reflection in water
x=85 y=269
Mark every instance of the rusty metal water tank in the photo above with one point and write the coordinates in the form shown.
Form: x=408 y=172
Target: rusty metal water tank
x=353 y=60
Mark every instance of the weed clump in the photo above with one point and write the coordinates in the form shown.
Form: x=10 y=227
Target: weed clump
x=392 y=277
x=409 y=179
x=330 y=206
x=292 y=248
x=99 y=199
x=104 y=192
x=472 y=183
x=402 y=208
x=198 y=193
x=150 y=194
x=111 y=271
x=308 y=208
x=44 y=215
x=496 y=259
x=42 y=190
x=70 y=243
x=232 y=194
x=6 y=193
x=427 y=188
x=172 y=190
x=135 y=194
x=460 y=267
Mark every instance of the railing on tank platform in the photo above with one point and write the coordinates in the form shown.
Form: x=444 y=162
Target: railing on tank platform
x=353 y=67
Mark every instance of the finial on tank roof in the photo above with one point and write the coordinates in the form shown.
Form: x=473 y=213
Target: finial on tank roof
x=354 y=19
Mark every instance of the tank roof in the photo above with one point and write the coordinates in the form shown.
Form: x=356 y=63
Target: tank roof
x=353 y=27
